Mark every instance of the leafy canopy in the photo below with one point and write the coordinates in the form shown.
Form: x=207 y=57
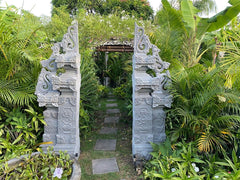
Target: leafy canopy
x=138 y=8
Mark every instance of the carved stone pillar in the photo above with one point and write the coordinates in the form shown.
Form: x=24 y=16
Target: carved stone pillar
x=149 y=95
x=60 y=93
x=49 y=98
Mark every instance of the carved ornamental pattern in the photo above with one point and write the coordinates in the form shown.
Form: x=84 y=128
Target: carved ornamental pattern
x=149 y=95
x=60 y=94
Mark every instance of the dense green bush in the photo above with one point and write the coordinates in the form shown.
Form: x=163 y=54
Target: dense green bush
x=21 y=130
x=182 y=161
x=137 y=8
x=22 y=45
x=124 y=91
x=41 y=166
x=206 y=111
x=89 y=93
x=103 y=91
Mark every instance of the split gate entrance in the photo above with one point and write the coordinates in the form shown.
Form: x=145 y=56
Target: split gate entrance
x=60 y=94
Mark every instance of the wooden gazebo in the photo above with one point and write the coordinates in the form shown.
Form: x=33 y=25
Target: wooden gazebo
x=114 y=45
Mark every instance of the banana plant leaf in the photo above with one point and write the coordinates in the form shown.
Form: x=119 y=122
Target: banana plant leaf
x=219 y=20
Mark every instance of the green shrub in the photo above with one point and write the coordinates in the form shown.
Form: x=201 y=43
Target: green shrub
x=103 y=90
x=124 y=91
x=203 y=108
x=40 y=166
x=89 y=92
x=183 y=161
x=20 y=131
x=168 y=163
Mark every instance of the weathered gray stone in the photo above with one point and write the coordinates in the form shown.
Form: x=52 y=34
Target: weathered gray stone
x=76 y=172
x=105 y=145
x=149 y=95
x=60 y=93
x=12 y=163
x=111 y=119
x=111 y=100
x=112 y=105
x=108 y=130
x=113 y=111
x=103 y=166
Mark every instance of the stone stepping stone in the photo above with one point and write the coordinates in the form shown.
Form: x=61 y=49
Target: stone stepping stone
x=108 y=130
x=105 y=145
x=113 y=111
x=103 y=166
x=112 y=105
x=111 y=100
x=111 y=119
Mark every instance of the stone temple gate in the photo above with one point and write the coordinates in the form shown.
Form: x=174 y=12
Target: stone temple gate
x=60 y=94
x=58 y=89
x=149 y=95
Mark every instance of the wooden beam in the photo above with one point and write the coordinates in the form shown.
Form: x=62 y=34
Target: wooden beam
x=115 y=48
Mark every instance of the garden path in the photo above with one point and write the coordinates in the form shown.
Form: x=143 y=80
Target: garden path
x=107 y=165
x=106 y=153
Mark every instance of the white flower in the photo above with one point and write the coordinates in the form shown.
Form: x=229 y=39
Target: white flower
x=196 y=169
x=216 y=176
x=188 y=176
x=193 y=165
x=173 y=169
x=58 y=173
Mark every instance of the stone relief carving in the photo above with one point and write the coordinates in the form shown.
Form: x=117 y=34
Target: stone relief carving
x=60 y=93
x=149 y=95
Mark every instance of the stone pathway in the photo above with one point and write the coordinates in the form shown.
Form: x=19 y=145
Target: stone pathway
x=107 y=165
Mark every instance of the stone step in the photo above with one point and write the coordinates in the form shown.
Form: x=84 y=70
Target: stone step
x=111 y=100
x=108 y=130
x=105 y=145
x=113 y=111
x=111 y=119
x=103 y=166
x=112 y=105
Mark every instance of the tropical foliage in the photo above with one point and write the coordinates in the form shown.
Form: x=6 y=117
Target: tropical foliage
x=40 y=166
x=205 y=110
x=138 y=8
x=19 y=53
x=201 y=102
x=21 y=131
x=22 y=45
x=183 y=162
x=230 y=48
